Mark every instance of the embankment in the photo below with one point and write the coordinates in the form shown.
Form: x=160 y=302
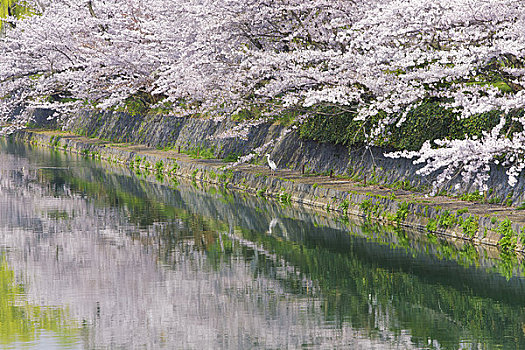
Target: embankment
x=289 y=151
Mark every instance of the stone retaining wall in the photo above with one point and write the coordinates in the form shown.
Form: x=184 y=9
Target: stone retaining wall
x=290 y=152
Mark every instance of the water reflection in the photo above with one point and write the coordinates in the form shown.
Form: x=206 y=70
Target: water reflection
x=114 y=261
x=21 y=320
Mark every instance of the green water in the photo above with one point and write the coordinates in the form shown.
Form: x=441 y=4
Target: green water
x=93 y=256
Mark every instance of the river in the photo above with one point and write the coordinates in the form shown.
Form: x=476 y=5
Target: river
x=94 y=256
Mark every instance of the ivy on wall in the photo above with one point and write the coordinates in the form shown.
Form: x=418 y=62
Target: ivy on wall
x=428 y=121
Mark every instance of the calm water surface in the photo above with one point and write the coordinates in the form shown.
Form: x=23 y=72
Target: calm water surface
x=96 y=257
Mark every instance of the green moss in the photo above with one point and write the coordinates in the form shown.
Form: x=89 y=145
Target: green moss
x=162 y=108
x=200 y=152
x=231 y=157
x=143 y=103
x=428 y=121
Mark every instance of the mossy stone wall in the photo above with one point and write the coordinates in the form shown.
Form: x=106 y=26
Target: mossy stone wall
x=294 y=151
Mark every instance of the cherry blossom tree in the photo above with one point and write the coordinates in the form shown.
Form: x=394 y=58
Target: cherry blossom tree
x=373 y=59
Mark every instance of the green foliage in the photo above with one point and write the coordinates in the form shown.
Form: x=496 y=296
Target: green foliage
x=472 y=197
x=172 y=174
x=147 y=166
x=16 y=8
x=143 y=103
x=32 y=125
x=285 y=197
x=159 y=171
x=365 y=205
x=344 y=206
x=431 y=225
x=402 y=212
x=159 y=167
x=446 y=220
x=428 y=121
x=231 y=157
x=495 y=200
x=247 y=113
x=135 y=164
x=225 y=176
x=261 y=192
x=54 y=142
x=470 y=226
x=461 y=211
x=200 y=152
x=222 y=177
x=370 y=208
x=509 y=238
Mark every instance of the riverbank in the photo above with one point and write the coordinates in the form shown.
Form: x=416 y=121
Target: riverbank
x=478 y=223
